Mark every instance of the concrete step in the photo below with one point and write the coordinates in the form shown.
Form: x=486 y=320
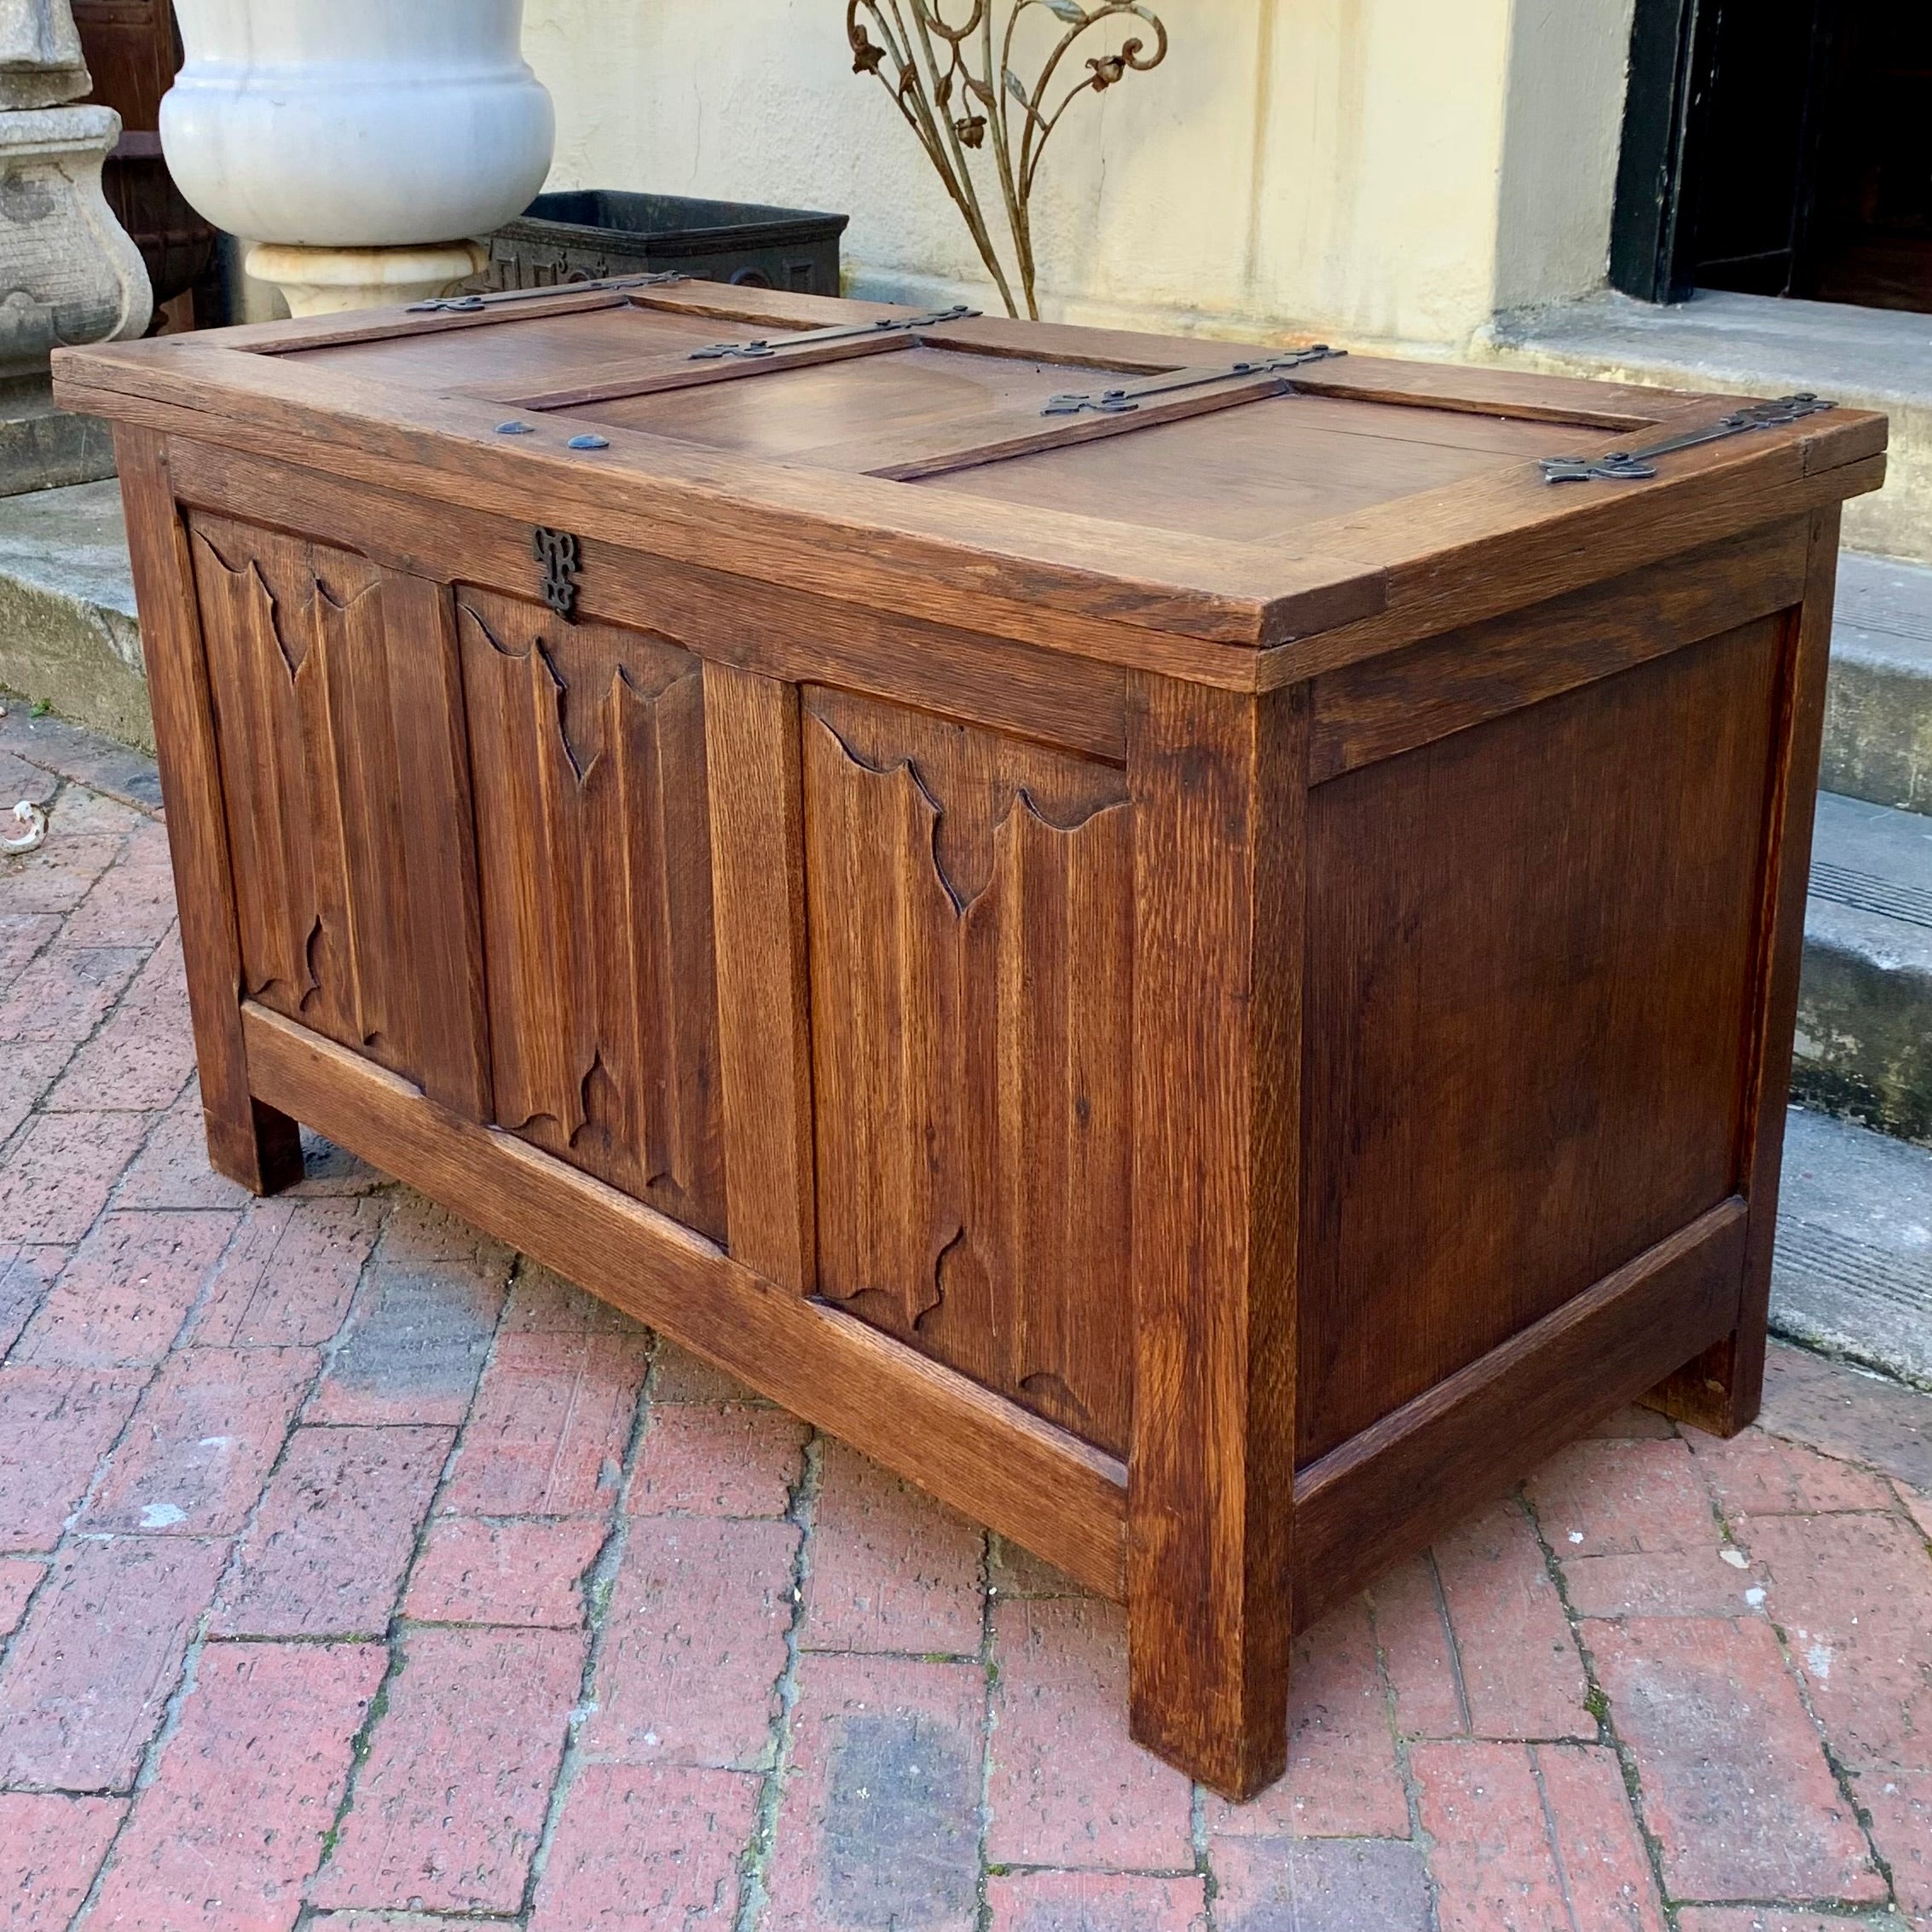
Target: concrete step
x=1864 y=1046
x=1878 y=718
x=1760 y=345
x=68 y=637
x=1853 y=1269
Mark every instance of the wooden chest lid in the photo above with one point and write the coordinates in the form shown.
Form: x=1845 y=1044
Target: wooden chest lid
x=1152 y=499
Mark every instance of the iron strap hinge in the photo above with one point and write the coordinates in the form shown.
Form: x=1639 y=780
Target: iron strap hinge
x=506 y=298
x=849 y=332
x=1639 y=465
x=1119 y=401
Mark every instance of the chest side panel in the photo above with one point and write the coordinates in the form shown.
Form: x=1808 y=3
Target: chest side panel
x=969 y=903
x=595 y=873
x=1532 y=955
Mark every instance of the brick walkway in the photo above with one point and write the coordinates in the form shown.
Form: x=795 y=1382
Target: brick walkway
x=360 y=1575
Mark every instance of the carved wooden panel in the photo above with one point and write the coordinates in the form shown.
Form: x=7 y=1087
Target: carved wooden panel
x=594 y=858
x=307 y=723
x=970 y=919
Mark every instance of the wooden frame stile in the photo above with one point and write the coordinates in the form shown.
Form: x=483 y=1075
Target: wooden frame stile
x=751 y=729
x=248 y=1142
x=1722 y=1388
x=1219 y=783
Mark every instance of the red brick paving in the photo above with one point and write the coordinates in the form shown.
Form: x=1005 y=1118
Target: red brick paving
x=50 y=1848
x=694 y=1644
x=87 y=1677
x=641 y=1653
x=1095 y=1902
x=1634 y=1532
x=56 y=1425
x=247 y=1789
x=1533 y=1836
x=1736 y=1784
x=879 y=1820
x=548 y=1432
x=19 y=1577
x=1514 y=1654
x=1344 y=1779
x=637 y=1847
x=718 y=1459
x=527 y=1573
x=201 y=1442
x=1066 y=1786
x=333 y=1534
x=891 y=1569
x=289 y=1275
x=448 y=1808
x=121 y=1300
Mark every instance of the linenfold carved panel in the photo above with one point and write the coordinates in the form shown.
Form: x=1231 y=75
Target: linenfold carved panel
x=970 y=902
x=298 y=667
x=594 y=863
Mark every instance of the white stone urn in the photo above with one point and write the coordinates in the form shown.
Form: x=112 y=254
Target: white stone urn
x=376 y=137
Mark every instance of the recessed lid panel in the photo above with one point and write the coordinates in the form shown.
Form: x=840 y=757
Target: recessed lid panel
x=835 y=413
x=1256 y=472
x=546 y=350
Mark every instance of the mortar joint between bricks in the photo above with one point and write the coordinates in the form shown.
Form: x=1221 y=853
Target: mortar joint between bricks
x=755 y=1862
x=989 y=1677
x=1597 y=1701
x=395 y=1660
x=151 y=1758
x=597 y=1584
x=1412 y=1791
x=1840 y=1776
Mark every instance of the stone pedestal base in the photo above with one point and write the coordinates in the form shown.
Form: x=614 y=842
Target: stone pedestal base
x=323 y=281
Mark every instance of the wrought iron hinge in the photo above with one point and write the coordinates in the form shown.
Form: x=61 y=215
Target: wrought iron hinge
x=853 y=332
x=1639 y=465
x=1119 y=401
x=507 y=297
x=560 y=555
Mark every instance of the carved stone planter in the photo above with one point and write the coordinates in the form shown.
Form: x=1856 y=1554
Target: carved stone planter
x=69 y=273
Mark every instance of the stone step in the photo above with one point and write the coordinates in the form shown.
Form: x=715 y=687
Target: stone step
x=1853 y=1270
x=68 y=637
x=1864 y=1045
x=1879 y=718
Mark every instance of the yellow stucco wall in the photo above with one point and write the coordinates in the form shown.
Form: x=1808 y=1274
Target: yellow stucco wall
x=1378 y=171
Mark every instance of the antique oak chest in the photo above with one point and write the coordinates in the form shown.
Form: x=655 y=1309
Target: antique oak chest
x=1193 y=947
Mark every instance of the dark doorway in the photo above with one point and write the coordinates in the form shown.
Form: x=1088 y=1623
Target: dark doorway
x=1780 y=147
